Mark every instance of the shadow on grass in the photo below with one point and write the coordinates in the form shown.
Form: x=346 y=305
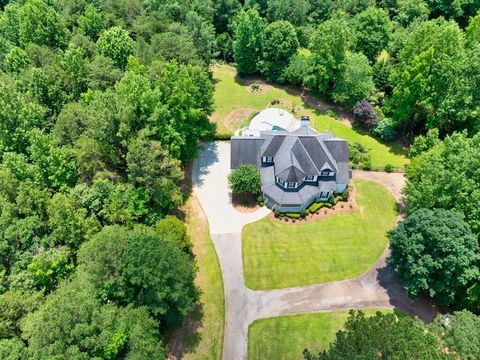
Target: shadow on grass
x=185 y=339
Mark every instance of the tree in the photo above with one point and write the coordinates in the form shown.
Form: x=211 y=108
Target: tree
x=248 y=27
x=460 y=332
x=139 y=267
x=354 y=82
x=116 y=44
x=297 y=69
x=225 y=11
x=434 y=253
x=279 y=45
x=424 y=143
x=364 y=114
x=473 y=31
x=203 y=34
x=433 y=82
x=16 y=60
x=293 y=11
x=102 y=73
x=91 y=22
x=412 y=10
x=446 y=177
x=245 y=180
x=371 y=31
x=224 y=44
x=73 y=323
x=172 y=229
x=150 y=166
x=41 y=24
x=383 y=336
x=50 y=266
x=14 y=305
x=360 y=157
x=328 y=47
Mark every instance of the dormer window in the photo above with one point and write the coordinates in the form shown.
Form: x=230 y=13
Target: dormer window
x=327 y=173
x=267 y=159
x=311 y=178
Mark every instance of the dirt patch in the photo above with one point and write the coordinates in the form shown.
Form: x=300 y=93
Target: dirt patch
x=254 y=85
x=237 y=117
x=245 y=203
x=339 y=208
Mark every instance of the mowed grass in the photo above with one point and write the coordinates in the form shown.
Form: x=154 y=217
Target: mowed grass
x=231 y=96
x=279 y=255
x=286 y=337
x=202 y=336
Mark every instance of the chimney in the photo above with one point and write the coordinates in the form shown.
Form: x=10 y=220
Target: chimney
x=304 y=121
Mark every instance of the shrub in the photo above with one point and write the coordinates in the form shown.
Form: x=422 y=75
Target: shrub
x=303 y=213
x=364 y=114
x=388 y=168
x=360 y=156
x=277 y=213
x=345 y=195
x=327 y=205
x=293 y=215
x=172 y=229
x=333 y=114
x=385 y=129
x=245 y=180
x=260 y=199
x=315 y=206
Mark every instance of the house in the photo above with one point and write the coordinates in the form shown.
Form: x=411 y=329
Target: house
x=297 y=164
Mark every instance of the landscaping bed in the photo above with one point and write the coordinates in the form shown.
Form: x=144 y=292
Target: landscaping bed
x=320 y=210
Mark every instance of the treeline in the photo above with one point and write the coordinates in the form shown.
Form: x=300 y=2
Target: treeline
x=102 y=103
x=416 y=63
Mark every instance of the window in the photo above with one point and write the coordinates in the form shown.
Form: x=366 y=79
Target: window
x=311 y=178
x=291 y=185
x=267 y=159
x=325 y=173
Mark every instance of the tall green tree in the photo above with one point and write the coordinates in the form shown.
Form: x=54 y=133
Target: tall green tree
x=279 y=45
x=371 y=31
x=139 y=267
x=40 y=24
x=294 y=11
x=248 y=27
x=329 y=46
x=354 y=81
x=433 y=88
x=446 y=177
x=383 y=336
x=116 y=44
x=435 y=253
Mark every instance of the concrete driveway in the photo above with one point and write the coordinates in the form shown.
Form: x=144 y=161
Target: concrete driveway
x=376 y=288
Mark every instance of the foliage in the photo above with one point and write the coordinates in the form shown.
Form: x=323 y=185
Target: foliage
x=116 y=44
x=328 y=47
x=139 y=267
x=172 y=229
x=248 y=28
x=360 y=156
x=371 y=30
x=279 y=45
x=354 y=82
x=296 y=70
x=293 y=11
x=385 y=129
x=434 y=253
x=245 y=180
x=446 y=177
x=424 y=143
x=381 y=335
x=364 y=114
x=48 y=267
x=73 y=314
x=460 y=331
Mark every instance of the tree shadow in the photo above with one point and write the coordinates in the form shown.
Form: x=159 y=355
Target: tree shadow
x=185 y=339
x=207 y=156
x=422 y=307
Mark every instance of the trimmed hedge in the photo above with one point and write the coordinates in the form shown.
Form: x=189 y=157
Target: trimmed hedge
x=293 y=215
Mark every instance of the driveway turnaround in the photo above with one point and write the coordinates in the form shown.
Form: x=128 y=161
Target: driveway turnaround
x=376 y=288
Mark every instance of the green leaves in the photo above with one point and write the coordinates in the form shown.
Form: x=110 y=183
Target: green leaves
x=116 y=44
x=248 y=27
x=435 y=254
x=245 y=180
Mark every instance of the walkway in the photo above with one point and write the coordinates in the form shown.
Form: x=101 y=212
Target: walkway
x=377 y=288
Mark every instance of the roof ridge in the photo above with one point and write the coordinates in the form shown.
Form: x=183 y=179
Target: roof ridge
x=306 y=152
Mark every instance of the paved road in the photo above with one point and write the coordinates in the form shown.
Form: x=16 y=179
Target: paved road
x=376 y=288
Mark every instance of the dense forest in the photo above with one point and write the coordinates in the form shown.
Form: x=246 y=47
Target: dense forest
x=103 y=104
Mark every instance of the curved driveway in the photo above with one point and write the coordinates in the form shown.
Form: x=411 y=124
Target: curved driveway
x=376 y=288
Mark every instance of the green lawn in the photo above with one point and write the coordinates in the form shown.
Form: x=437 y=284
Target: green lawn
x=231 y=97
x=279 y=255
x=286 y=337
x=202 y=337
